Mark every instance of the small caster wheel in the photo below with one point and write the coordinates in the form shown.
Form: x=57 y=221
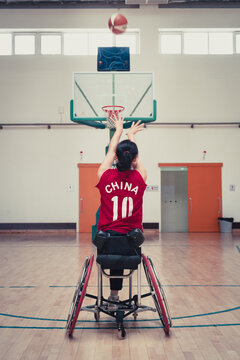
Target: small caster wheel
x=135 y=315
x=123 y=333
x=97 y=315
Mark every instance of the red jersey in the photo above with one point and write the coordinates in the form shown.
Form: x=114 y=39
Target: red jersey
x=121 y=200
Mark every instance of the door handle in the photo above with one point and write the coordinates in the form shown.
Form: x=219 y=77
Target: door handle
x=219 y=205
x=81 y=205
x=190 y=199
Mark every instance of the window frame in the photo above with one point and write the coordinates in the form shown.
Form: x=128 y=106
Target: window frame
x=171 y=33
x=11 y=43
x=50 y=34
x=221 y=32
x=18 y=34
x=195 y=53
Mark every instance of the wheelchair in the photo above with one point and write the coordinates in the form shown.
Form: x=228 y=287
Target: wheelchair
x=121 y=253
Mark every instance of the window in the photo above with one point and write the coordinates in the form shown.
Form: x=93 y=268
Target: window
x=51 y=44
x=64 y=41
x=128 y=39
x=170 y=43
x=75 y=44
x=99 y=39
x=195 y=43
x=221 y=43
x=238 y=43
x=5 y=44
x=24 y=44
x=199 y=41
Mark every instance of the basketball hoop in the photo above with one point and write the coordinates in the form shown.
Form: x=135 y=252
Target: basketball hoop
x=109 y=111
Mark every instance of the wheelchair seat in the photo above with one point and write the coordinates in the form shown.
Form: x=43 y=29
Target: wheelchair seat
x=118 y=262
x=118 y=252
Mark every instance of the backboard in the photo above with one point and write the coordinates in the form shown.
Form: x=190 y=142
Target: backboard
x=113 y=59
x=92 y=91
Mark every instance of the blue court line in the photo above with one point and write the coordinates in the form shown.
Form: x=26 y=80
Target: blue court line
x=238 y=248
x=210 y=313
x=66 y=286
x=107 y=321
x=21 y=287
x=113 y=328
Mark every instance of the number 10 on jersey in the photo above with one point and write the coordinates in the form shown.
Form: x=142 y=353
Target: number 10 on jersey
x=126 y=207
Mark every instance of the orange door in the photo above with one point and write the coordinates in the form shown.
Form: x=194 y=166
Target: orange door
x=89 y=198
x=204 y=197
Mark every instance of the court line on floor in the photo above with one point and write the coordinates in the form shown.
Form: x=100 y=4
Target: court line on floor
x=22 y=287
x=114 y=328
x=103 y=321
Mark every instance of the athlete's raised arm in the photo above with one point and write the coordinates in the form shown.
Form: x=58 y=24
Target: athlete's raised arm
x=111 y=154
x=138 y=165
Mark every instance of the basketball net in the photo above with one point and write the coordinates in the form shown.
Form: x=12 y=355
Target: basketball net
x=109 y=111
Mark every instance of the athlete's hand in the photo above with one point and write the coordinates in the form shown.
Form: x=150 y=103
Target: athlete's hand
x=117 y=121
x=135 y=127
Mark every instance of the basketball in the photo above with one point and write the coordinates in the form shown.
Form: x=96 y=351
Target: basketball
x=117 y=23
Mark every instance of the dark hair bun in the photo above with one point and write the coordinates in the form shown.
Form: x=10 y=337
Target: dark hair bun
x=126 y=152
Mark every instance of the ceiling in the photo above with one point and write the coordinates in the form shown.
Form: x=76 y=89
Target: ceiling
x=21 y=4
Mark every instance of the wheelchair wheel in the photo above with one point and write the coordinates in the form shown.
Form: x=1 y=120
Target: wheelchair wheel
x=163 y=297
x=157 y=291
x=79 y=295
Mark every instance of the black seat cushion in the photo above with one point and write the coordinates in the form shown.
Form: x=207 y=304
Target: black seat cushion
x=119 y=252
x=119 y=262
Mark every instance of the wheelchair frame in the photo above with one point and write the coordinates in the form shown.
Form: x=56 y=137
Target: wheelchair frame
x=132 y=305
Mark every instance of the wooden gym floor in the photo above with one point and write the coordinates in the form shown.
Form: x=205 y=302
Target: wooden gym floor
x=199 y=274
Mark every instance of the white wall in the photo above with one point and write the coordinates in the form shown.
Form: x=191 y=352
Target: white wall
x=37 y=164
